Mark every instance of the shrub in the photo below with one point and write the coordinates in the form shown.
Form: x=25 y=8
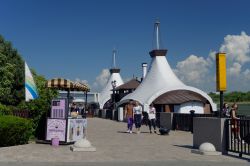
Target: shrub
x=5 y=110
x=14 y=130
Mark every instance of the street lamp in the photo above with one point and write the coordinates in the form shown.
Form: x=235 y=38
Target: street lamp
x=113 y=83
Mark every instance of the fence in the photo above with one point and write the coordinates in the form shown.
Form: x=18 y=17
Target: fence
x=238 y=136
x=185 y=121
x=19 y=113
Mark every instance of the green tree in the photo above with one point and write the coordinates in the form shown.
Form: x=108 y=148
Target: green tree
x=214 y=96
x=12 y=90
x=232 y=97
x=12 y=74
x=39 y=107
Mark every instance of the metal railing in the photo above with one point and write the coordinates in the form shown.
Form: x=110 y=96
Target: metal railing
x=185 y=121
x=181 y=121
x=238 y=136
x=19 y=113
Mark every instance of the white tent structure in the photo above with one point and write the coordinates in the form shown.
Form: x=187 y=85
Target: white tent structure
x=115 y=78
x=161 y=86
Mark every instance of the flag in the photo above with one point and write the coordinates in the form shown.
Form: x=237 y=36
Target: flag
x=30 y=86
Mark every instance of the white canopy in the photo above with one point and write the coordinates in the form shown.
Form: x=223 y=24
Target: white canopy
x=159 y=80
x=78 y=100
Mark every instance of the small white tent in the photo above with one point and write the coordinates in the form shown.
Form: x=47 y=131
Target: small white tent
x=105 y=94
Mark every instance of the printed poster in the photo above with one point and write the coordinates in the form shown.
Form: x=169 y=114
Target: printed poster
x=56 y=128
x=76 y=129
x=58 y=108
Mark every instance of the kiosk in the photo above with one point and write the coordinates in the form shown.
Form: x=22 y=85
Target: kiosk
x=67 y=122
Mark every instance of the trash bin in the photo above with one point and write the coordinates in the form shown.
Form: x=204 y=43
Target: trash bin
x=104 y=113
x=191 y=120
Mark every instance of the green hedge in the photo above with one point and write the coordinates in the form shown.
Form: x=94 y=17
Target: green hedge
x=5 y=110
x=14 y=130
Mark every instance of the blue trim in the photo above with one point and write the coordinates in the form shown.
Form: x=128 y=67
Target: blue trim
x=32 y=91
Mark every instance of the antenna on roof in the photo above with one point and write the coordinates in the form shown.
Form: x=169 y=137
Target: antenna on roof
x=114 y=63
x=157 y=26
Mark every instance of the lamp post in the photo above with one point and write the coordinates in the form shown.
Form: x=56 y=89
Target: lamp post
x=113 y=83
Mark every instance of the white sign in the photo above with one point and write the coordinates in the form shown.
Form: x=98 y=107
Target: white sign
x=76 y=128
x=56 y=128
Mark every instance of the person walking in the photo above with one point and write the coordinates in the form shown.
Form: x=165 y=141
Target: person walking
x=235 y=123
x=226 y=110
x=152 y=118
x=137 y=110
x=129 y=116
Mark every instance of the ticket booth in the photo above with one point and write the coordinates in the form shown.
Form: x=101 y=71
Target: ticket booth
x=65 y=122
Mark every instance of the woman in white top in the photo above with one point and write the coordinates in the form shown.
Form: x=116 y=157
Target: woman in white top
x=151 y=118
x=137 y=110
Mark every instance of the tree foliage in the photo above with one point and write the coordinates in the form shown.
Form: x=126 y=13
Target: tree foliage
x=12 y=90
x=12 y=74
x=39 y=108
x=232 y=97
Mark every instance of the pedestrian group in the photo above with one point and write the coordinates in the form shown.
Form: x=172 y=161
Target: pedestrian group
x=134 y=114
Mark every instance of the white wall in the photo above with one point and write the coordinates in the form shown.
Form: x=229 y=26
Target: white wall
x=186 y=107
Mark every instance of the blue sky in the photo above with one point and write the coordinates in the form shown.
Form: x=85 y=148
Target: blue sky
x=74 y=38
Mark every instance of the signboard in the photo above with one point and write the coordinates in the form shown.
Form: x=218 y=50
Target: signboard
x=58 y=108
x=76 y=129
x=56 y=128
x=221 y=81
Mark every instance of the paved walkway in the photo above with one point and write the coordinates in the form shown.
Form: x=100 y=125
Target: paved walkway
x=114 y=145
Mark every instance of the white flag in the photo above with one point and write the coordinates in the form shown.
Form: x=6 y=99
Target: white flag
x=30 y=86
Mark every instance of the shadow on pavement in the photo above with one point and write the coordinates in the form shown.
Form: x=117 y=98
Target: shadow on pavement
x=185 y=146
x=122 y=132
x=143 y=132
x=235 y=155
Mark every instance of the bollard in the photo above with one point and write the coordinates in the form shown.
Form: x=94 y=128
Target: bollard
x=191 y=120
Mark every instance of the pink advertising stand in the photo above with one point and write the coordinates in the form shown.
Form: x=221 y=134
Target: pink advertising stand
x=61 y=126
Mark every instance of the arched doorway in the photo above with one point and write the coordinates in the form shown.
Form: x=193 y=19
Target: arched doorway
x=182 y=101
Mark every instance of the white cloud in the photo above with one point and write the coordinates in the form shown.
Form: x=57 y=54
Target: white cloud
x=199 y=71
x=82 y=81
x=101 y=80
x=212 y=55
x=193 y=69
x=246 y=74
x=234 y=70
x=237 y=47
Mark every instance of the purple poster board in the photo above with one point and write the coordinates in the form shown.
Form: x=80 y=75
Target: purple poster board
x=58 y=108
x=56 y=128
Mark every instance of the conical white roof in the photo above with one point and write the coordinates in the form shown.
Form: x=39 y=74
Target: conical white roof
x=159 y=80
x=105 y=94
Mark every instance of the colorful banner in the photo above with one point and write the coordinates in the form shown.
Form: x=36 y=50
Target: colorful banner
x=30 y=86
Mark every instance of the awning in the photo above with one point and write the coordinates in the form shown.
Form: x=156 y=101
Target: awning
x=179 y=97
x=65 y=84
x=81 y=86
